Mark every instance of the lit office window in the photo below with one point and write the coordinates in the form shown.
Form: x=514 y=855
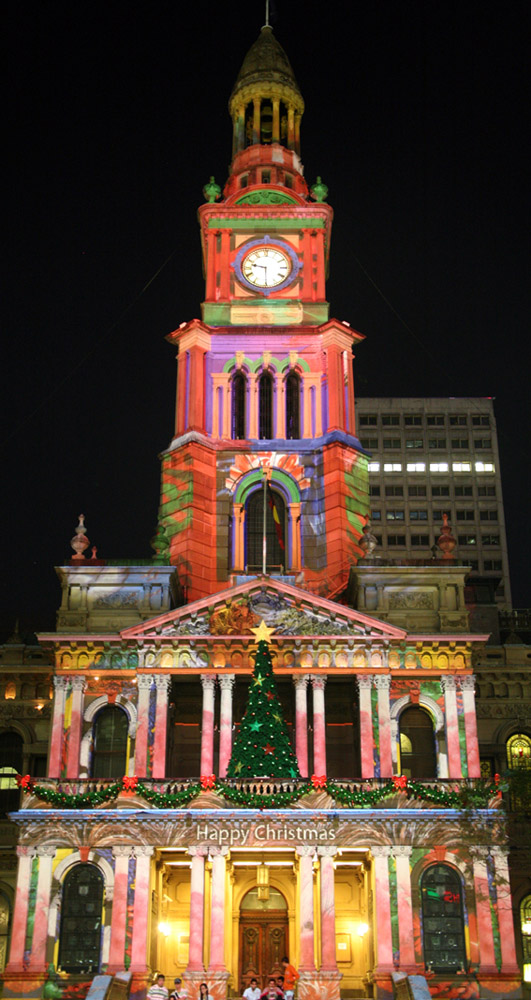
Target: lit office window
x=461 y=467
x=392 y=467
x=484 y=466
x=373 y=466
x=438 y=466
x=416 y=467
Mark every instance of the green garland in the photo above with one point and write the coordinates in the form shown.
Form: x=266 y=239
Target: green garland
x=473 y=795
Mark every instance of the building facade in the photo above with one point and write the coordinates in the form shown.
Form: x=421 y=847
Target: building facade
x=379 y=850
x=430 y=457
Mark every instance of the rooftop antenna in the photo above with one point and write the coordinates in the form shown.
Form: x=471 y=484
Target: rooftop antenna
x=267 y=25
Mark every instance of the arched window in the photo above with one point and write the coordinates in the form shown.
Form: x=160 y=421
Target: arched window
x=5 y=923
x=81 y=920
x=11 y=764
x=525 y=931
x=418 y=757
x=265 y=406
x=293 y=422
x=275 y=531
x=519 y=751
x=442 y=919
x=110 y=743
x=239 y=386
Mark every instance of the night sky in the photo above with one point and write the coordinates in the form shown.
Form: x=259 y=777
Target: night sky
x=117 y=116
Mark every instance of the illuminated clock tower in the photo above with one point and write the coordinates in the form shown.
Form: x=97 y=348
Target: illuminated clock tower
x=264 y=470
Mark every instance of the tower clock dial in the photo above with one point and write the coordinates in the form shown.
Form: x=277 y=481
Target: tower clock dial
x=267 y=264
x=266 y=267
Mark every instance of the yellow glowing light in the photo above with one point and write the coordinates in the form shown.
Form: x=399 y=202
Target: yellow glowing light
x=39 y=707
x=362 y=929
x=527 y=973
x=526 y=927
x=165 y=928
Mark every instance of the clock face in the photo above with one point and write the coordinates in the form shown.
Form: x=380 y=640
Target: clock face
x=266 y=267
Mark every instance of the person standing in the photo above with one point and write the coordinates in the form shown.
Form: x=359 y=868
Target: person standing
x=158 y=991
x=253 y=991
x=177 y=992
x=203 y=992
x=290 y=978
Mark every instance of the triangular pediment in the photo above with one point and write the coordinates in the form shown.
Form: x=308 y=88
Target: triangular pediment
x=287 y=609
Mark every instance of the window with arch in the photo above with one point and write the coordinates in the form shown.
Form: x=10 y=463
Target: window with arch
x=11 y=764
x=239 y=393
x=109 y=751
x=525 y=932
x=443 y=931
x=275 y=510
x=5 y=926
x=418 y=756
x=519 y=751
x=293 y=421
x=81 y=920
x=265 y=406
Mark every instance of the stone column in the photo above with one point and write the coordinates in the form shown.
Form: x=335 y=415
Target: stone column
x=319 y=727
x=144 y=682
x=197 y=906
x=56 y=742
x=382 y=683
x=280 y=396
x=207 y=724
x=382 y=909
x=162 y=682
x=121 y=855
x=452 y=726
x=37 y=960
x=76 y=722
x=301 y=722
x=402 y=855
x=366 y=737
x=141 y=909
x=487 y=960
x=505 y=912
x=20 y=914
x=217 y=910
x=226 y=683
x=471 y=726
x=307 y=959
x=328 y=909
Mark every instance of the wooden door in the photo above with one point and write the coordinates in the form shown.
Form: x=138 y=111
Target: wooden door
x=263 y=943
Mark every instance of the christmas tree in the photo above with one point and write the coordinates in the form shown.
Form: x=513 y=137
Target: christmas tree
x=262 y=748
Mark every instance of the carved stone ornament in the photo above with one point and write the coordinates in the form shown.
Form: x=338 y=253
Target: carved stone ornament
x=238 y=618
x=411 y=601
x=119 y=599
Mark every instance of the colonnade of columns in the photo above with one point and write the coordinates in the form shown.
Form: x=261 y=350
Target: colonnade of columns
x=307 y=857
x=211 y=925
x=386 y=727
x=311 y=422
x=38 y=958
x=482 y=954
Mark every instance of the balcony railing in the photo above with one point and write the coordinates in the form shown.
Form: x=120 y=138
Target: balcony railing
x=375 y=793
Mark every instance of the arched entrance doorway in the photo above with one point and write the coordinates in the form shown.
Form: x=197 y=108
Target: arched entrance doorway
x=263 y=936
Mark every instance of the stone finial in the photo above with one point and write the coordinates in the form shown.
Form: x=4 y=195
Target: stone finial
x=212 y=191
x=319 y=191
x=369 y=541
x=446 y=540
x=80 y=541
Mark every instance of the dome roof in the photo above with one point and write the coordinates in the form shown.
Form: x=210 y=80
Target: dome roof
x=266 y=62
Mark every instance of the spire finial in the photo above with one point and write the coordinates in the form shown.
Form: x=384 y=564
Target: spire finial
x=267 y=25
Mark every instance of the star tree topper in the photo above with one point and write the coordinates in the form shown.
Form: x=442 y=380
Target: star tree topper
x=263 y=632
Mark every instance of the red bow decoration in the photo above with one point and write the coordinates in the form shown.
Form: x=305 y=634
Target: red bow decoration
x=496 y=779
x=24 y=782
x=319 y=780
x=400 y=782
x=208 y=781
x=130 y=784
